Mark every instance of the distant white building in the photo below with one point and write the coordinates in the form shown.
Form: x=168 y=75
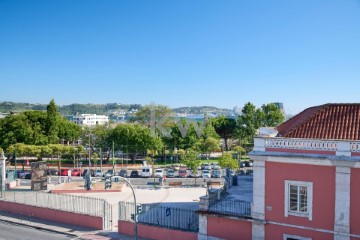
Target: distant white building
x=90 y=119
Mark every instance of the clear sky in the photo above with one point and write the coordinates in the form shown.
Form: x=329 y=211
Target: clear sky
x=181 y=52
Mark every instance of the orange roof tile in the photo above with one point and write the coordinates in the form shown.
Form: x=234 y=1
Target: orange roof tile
x=328 y=121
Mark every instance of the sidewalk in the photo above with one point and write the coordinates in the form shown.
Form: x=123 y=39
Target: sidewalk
x=61 y=228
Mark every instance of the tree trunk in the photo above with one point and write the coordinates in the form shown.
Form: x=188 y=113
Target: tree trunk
x=226 y=144
x=133 y=157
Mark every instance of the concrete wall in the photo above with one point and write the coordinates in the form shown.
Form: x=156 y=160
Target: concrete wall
x=323 y=179
x=153 y=232
x=226 y=228
x=53 y=215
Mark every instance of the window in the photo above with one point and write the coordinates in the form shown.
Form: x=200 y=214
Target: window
x=298 y=199
x=292 y=237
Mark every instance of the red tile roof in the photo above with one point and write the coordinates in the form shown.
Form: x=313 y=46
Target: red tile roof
x=329 y=121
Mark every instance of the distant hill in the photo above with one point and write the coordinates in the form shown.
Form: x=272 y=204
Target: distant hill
x=101 y=109
x=200 y=110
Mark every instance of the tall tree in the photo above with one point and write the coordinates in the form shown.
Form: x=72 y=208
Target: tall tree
x=271 y=115
x=52 y=122
x=225 y=128
x=153 y=114
x=248 y=122
x=251 y=119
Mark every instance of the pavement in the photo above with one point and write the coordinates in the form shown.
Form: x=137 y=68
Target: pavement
x=76 y=232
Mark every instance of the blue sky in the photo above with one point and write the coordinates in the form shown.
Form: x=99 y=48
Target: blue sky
x=180 y=52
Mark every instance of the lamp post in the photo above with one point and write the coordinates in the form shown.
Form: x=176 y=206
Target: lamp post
x=135 y=208
x=2 y=173
x=89 y=152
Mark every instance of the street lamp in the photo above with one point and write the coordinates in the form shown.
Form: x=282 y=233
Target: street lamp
x=89 y=152
x=135 y=207
x=2 y=173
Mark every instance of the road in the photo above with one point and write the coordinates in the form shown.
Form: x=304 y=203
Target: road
x=10 y=231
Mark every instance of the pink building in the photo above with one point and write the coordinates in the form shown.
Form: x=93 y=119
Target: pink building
x=305 y=182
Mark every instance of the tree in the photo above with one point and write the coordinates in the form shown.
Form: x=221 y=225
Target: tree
x=208 y=145
x=225 y=127
x=248 y=122
x=68 y=131
x=192 y=162
x=271 y=115
x=152 y=114
x=251 y=119
x=226 y=161
x=134 y=138
x=52 y=122
x=239 y=151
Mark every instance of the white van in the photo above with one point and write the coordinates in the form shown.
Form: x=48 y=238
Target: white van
x=146 y=171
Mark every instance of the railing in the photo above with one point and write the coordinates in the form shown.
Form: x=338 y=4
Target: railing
x=304 y=144
x=163 y=216
x=232 y=207
x=68 y=203
x=215 y=195
x=338 y=146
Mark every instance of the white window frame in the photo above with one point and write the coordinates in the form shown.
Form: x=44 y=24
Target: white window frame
x=309 y=186
x=286 y=236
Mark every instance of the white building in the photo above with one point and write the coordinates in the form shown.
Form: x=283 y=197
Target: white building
x=90 y=119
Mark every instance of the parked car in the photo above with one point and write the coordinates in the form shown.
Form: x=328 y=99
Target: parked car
x=110 y=172
x=134 y=174
x=85 y=172
x=146 y=171
x=195 y=175
x=183 y=172
x=215 y=166
x=206 y=174
x=216 y=174
x=159 y=172
x=170 y=173
x=28 y=175
x=98 y=173
x=175 y=167
x=123 y=173
x=51 y=171
x=64 y=172
x=22 y=173
x=75 y=172
x=205 y=166
x=245 y=164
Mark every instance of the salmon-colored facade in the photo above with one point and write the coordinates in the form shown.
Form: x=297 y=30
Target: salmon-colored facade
x=226 y=228
x=277 y=232
x=153 y=232
x=323 y=179
x=355 y=201
x=53 y=215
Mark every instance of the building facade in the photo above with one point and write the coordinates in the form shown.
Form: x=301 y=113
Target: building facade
x=305 y=182
x=90 y=119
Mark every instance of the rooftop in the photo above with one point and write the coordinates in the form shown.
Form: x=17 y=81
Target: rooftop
x=328 y=121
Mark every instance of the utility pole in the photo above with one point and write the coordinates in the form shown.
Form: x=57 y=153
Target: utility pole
x=89 y=152
x=15 y=160
x=2 y=173
x=113 y=160
x=100 y=161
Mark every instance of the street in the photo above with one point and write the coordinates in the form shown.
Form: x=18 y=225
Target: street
x=11 y=231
